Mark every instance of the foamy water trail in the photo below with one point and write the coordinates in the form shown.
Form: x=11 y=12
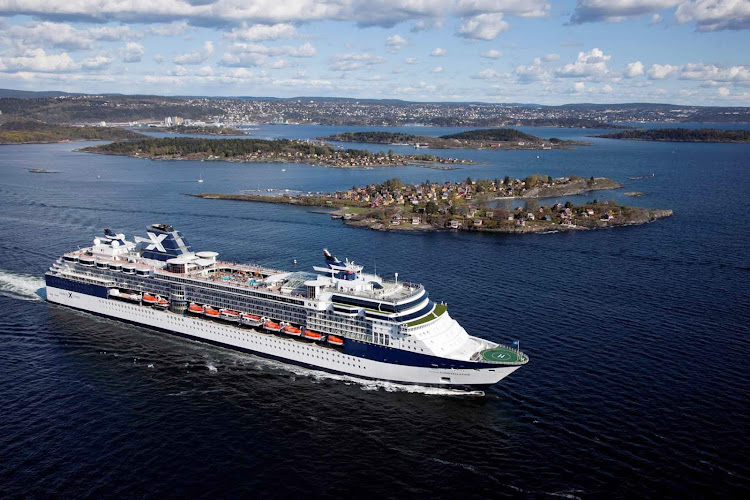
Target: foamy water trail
x=366 y=384
x=21 y=286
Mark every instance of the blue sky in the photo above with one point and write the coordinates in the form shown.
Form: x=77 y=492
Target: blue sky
x=691 y=52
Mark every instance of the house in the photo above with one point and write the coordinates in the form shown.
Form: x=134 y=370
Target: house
x=608 y=217
x=416 y=221
x=489 y=213
x=530 y=216
x=478 y=222
x=454 y=224
x=520 y=222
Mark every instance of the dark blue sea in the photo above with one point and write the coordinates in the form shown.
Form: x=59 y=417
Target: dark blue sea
x=638 y=384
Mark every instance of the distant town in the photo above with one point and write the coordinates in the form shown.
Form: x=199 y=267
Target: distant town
x=120 y=110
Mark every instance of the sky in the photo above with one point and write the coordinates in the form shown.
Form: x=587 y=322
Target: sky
x=693 y=52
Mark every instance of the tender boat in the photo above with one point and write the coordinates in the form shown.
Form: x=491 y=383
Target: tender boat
x=161 y=303
x=229 y=315
x=251 y=320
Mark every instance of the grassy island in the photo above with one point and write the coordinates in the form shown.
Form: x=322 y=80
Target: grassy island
x=258 y=151
x=496 y=138
x=465 y=205
x=681 y=135
x=32 y=132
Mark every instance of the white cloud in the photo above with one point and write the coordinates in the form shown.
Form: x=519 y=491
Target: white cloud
x=39 y=60
x=492 y=54
x=132 y=52
x=488 y=74
x=411 y=60
x=437 y=69
x=483 y=26
x=590 y=11
x=533 y=72
x=96 y=62
x=712 y=72
x=198 y=56
x=656 y=19
x=551 y=57
x=634 y=69
x=395 y=43
x=255 y=54
x=579 y=87
x=438 y=52
x=607 y=89
x=61 y=35
x=351 y=62
x=712 y=15
x=660 y=72
x=172 y=29
x=592 y=64
x=263 y=32
x=521 y=8
x=723 y=91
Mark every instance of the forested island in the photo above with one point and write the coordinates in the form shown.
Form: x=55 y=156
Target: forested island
x=31 y=132
x=465 y=205
x=681 y=135
x=200 y=130
x=260 y=150
x=496 y=138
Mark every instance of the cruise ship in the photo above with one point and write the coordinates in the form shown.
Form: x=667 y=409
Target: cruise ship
x=338 y=318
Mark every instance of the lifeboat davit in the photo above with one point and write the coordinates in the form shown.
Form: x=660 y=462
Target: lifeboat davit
x=272 y=326
x=312 y=335
x=292 y=330
x=334 y=340
x=196 y=309
x=161 y=303
x=211 y=312
x=229 y=315
x=250 y=319
x=150 y=299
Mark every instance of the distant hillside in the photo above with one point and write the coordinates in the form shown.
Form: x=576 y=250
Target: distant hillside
x=682 y=135
x=493 y=134
x=19 y=132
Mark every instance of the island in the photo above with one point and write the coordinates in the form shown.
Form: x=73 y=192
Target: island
x=200 y=130
x=496 y=138
x=681 y=135
x=466 y=205
x=33 y=132
x=262 y=151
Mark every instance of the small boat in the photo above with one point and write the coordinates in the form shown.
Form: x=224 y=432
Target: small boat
x=211 y=312
x=292 y=330
x=196 y=309
x=334 y=340
x=313 y=335
x=200 y=179
x=150 y=299
x=250 y=319
x=229 y=315
x=272 y=326
x=161 y=303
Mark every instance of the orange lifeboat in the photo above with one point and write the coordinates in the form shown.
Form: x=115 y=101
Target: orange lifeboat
x=292 y=330
x=312 y=335
x=334 y=340
x=229 y=315
x=150 y=299
x=161 y=303
x=211 y=312
x=196 y=309
x=272 y=326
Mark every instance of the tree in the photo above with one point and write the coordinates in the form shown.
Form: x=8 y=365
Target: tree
x=431 y=207
x=390 y=154
x=532 y=205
